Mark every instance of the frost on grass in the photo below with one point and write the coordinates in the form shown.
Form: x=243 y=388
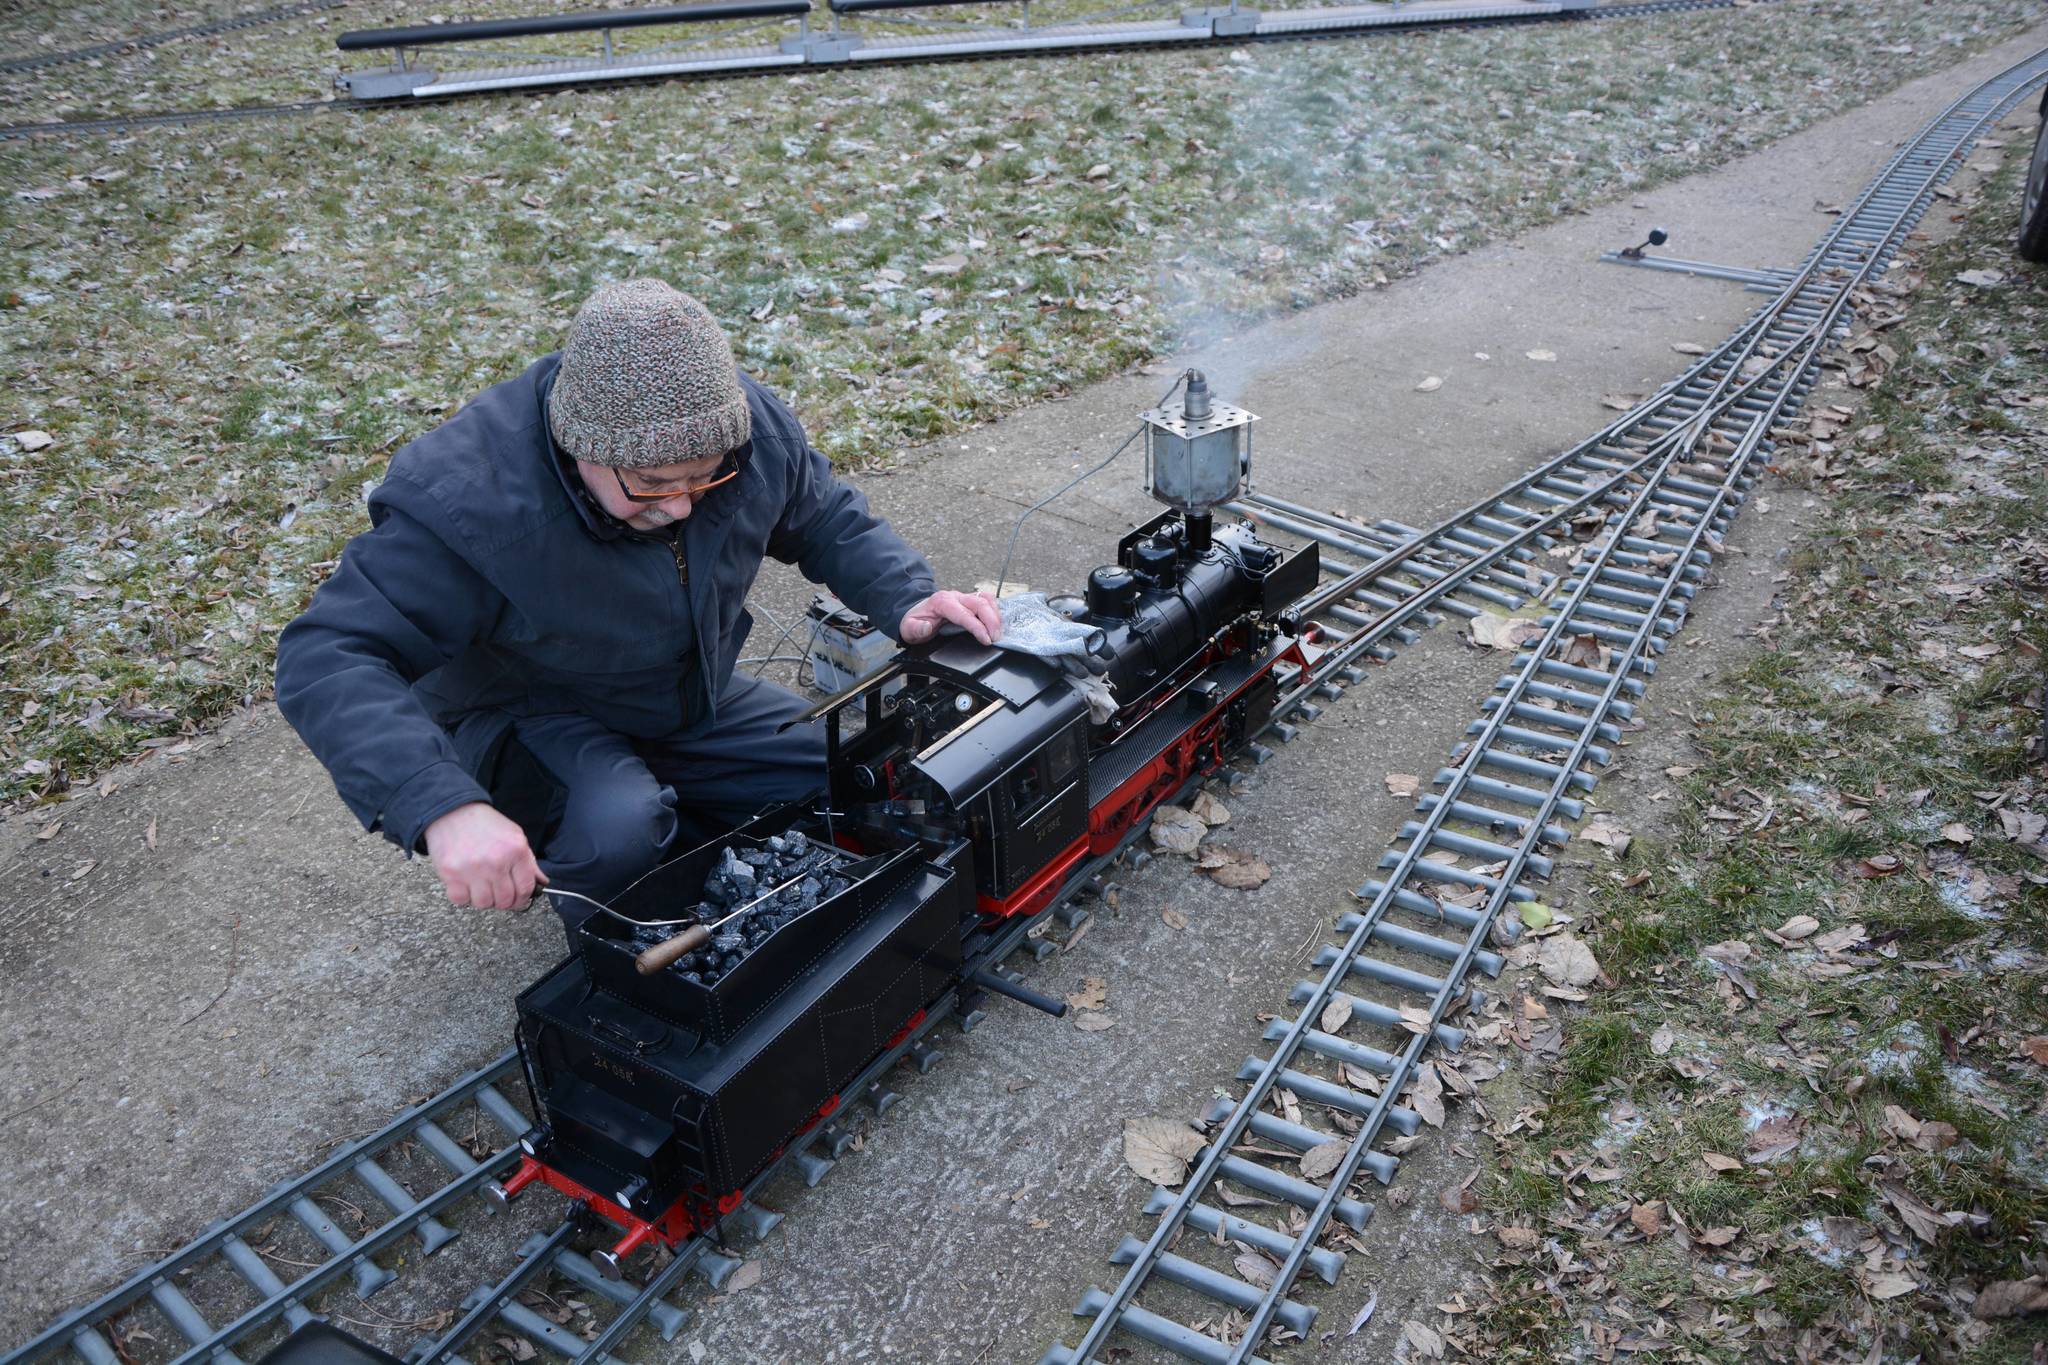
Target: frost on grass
x=225 y=330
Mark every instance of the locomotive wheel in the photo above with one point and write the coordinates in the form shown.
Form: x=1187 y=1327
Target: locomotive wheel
x=2034 y=214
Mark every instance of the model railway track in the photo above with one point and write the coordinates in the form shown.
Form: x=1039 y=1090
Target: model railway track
x=119 y=123
x=233 y=24
x=1404 y=966
x=1665 y=480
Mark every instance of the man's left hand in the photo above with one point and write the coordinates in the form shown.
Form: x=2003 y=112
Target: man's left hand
x=973 y=612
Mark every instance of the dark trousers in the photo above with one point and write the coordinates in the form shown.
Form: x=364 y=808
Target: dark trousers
x=603 y=809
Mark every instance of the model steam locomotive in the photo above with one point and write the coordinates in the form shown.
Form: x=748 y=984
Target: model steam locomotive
x=967 y=787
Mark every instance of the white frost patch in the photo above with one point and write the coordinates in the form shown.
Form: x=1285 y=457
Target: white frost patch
x=1756 y=1113
x=1955 y=894
x=1825 y=1249
x=1908 y=1042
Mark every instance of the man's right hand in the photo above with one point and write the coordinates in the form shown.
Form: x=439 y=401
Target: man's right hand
x=482 y=858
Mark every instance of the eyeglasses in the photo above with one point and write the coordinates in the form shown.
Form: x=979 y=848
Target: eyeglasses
x=727 y=470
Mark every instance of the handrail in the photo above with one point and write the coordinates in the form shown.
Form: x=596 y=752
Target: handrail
x=864 y=6
x=585 y=21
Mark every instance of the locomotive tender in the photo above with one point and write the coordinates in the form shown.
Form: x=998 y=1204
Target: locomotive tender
x=968 y=786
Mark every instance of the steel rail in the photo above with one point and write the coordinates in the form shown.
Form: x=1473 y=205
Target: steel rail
x=1563 y=761
x=1507 y=879
x=1212 y=1164
x=279 y=1200
x=1373 y=633
x=116 y=123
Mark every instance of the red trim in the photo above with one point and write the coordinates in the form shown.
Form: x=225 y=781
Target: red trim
x=1199 y=749
x=1037 y=893
x=680 y=1221
x=900 y=1034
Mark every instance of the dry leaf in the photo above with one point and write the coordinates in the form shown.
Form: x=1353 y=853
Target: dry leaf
x=2035 y=1050
x=1457 y=1199
x=1915 y=1212
x=1403 y=784
x=1093 y=1023
x=1714 y=1161
x=1889 y=1284
x=1323 y=1158
x=1796 y=928
x=1648 y=1218
x=1336 y=1014
x=1174 y=918
x=1545 y=356
x=1602 y=830
x=2012 y=1298
x=1688 y=348
x=1773 y=1138
x=1093 y=995
x=1661 y=1040
x=1255 y=1269
x=1209 y=810
x=746 y=1277
x=1565 y=961
x=1621 y=402
x=1426 y=1097
x=952 y=263
x=149 y=833
x=1517 y=1239
x=1177 y=829
x=1430 y=385
x=1239 y=871
x=33 y=440
x=1159 y=1150
x=1503 y=632
x=1840 y=940
x=1956 y=832
x=1424 y=1341
x=1717 y=1237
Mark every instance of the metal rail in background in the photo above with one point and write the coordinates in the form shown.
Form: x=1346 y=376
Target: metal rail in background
x=720 y=66
x=861 y=32
x=1680 y=459
x=1540 y=739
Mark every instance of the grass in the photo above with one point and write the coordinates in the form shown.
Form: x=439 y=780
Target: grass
x=226 y=330
x=1867 y=732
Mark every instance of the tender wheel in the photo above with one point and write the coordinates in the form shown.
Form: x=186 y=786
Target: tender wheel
x=2034 y=216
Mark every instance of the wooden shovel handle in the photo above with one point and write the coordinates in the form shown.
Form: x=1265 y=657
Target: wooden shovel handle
x=667 y=951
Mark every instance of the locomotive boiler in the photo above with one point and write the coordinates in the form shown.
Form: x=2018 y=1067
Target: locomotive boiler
x=966 y=787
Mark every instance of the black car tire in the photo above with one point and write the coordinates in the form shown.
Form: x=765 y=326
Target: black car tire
x=2034 y=211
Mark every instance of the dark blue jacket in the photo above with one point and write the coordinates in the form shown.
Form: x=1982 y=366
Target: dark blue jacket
x=488 y=587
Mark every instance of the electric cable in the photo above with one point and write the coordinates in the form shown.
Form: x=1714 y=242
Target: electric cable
x=1072 y=483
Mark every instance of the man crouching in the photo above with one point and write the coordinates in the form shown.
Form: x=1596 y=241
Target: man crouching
x=525 y=667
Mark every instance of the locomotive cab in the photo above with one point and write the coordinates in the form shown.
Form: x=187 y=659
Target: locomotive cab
x=965 y=741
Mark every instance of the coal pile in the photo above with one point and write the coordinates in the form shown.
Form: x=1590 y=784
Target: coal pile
x=802 y=868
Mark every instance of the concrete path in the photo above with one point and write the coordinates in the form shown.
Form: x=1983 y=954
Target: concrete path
x=209 y=974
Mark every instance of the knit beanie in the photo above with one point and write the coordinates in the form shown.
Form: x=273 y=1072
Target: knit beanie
x=647 y=378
